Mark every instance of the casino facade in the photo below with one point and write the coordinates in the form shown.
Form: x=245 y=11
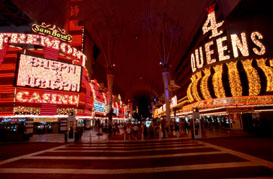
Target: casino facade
x=43 y=78
x=231 y=62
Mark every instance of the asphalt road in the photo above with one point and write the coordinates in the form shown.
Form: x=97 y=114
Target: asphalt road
x=236 y=157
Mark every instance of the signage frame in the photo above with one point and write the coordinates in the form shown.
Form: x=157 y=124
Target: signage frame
x=17 y=74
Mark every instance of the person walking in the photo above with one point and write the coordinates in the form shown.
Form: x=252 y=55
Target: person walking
x=163 y=127
x=110 y=129
x=145 y=131
x=151 y=130
x=129 y=131
x=171 y=127
x=176 y=126
x=135 y=128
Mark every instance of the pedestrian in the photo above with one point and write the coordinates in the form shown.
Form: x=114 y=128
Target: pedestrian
x=145 y=131
x=124 y=128
x=135 y=128
x=171 y=126
x=110 y=129
x=129 y=131
x=176 y=129
x=151 y=130
x=186 y=127
x=163 y=127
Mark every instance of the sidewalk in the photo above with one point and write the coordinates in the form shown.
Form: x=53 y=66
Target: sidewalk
x=221 y=132
x=90 y=136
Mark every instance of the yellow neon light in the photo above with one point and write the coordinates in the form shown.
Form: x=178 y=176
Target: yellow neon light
x=234 y=79
x=204 y=84
x=189 y=93
x=195 y=78
x=268 y=73
x=217 y=81
x=254 y=82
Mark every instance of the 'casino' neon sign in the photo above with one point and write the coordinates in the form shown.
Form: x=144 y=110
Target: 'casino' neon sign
x=44 y=41
x=203 y=55
x=25 y=96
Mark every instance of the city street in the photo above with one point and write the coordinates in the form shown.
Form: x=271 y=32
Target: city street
x=182 y=158
x=136 y=89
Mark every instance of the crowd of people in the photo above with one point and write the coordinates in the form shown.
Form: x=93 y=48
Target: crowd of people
x=161 y=128
x=155 y=129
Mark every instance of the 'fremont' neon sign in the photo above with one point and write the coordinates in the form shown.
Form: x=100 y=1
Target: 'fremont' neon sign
x=44 y=41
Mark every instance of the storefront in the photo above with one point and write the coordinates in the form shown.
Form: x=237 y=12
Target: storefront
x=99 y=109
x=41 y=79
x=232 y=68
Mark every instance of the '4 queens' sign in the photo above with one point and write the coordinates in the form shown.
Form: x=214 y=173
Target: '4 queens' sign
x=221 y=46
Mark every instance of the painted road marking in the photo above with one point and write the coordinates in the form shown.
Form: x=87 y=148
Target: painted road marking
x=129 y=147
x=29 y=155
x=252 y=178
x=128 y=151
x=252 y=161
x=146 y=140
x=128 y=171
x=133 y=144
x=121 y=158
x=251 y=158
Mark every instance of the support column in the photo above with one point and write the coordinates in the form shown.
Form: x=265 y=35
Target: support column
x=110 y=81
x=165 y=76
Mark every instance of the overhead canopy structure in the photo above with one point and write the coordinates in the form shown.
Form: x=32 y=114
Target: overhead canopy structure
x=120 y=27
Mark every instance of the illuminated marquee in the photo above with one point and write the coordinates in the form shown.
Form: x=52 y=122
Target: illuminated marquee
x=99 y=107
x=116 y=111
x=44 y=41
x=217 y=50
x=51 y=98
x=43 y=73
x=52 y=30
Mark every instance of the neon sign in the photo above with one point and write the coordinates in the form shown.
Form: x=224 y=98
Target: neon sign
x=40 y=97
x=99 y=107
x=13 y=120
x=217 y=50
x=40 y=40
x=42 y=73
x=116 y=111
x=51 y=30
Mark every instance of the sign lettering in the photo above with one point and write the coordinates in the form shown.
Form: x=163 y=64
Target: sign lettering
x=49 y=42
x=52 y=30
x=52 y=98
x=43 y=73
x=217 y=50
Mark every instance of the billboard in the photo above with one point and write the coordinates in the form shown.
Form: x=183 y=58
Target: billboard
x=39 y=72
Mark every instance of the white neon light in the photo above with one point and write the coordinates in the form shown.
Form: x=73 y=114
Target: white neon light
x=43 y=73
x=44 y=41
x=34 y=116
